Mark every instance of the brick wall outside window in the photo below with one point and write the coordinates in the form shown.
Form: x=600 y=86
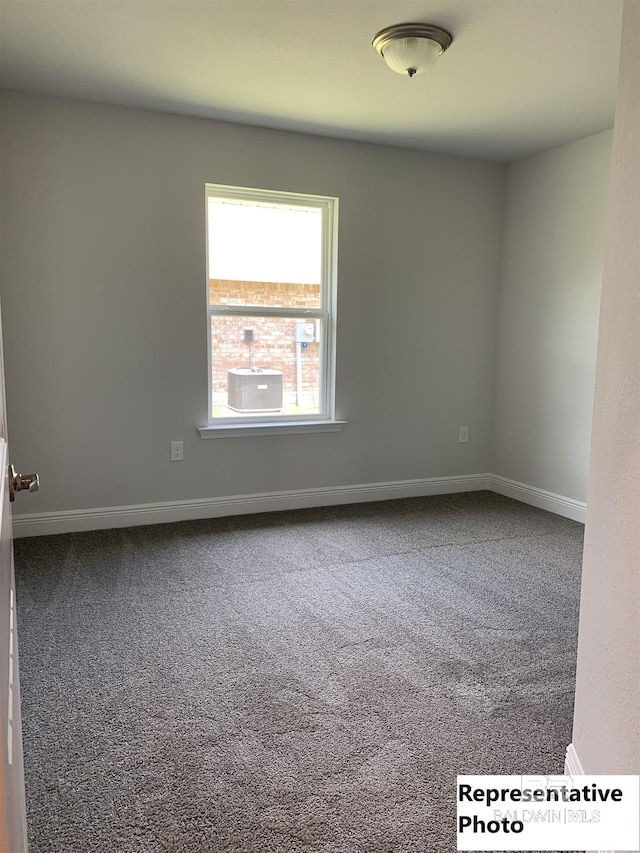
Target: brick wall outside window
x=274 y=343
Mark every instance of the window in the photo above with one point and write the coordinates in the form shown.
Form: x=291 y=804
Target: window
x=271 y=293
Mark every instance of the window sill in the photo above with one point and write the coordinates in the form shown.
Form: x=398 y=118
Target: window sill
x=282 y=428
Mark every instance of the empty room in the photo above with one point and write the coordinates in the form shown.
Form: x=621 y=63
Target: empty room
x=320 y=342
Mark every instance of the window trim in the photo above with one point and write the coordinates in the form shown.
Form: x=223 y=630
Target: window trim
x=263 y=424
x=282 y=428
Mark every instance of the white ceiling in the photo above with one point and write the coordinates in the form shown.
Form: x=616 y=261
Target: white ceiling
x=521 y=75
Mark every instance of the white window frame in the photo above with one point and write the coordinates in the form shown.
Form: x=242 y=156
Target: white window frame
x=263 y=424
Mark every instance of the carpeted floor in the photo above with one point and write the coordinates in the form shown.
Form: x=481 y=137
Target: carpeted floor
x=299 y=681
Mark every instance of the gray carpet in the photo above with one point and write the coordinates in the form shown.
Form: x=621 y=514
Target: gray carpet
x=297 y=681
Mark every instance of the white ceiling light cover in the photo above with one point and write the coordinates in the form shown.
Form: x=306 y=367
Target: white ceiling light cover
x=411 y=49
x=411 y=54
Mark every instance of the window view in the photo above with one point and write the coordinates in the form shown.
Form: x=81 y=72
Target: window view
x=270 y=270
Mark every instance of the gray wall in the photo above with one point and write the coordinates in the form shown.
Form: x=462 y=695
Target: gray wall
x=606 y=731
x=553 y=250
x=103 y=296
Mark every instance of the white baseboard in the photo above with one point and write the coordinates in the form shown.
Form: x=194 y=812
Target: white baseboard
x=71 y=521
x=573 y=767
x=558 y=504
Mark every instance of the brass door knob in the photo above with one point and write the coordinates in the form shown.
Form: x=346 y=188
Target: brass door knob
x=22 y=483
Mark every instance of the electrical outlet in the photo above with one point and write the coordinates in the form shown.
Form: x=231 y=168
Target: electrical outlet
x=177 y=451
x=463 y=435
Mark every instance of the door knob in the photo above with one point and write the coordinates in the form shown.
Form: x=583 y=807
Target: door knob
x=21 y=483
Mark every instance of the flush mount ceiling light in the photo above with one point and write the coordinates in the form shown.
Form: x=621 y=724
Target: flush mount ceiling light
x=411 y=48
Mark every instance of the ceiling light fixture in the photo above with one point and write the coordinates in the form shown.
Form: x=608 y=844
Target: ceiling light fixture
x=411 y=48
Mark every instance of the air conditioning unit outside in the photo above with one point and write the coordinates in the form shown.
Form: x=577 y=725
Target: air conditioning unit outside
x=252 y=389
